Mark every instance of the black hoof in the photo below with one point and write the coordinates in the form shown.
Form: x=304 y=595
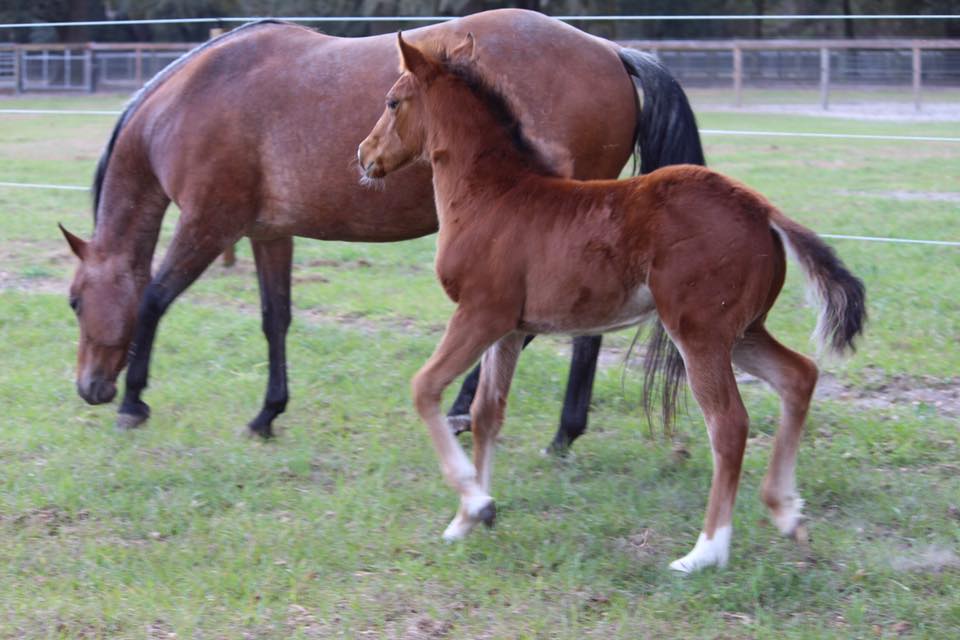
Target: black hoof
x=128 y=421
x=262 y=432
x=488 y=515
x=559 y=448
x=459 y=423
x=131 y=415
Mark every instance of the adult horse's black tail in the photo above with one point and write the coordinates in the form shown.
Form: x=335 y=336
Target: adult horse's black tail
x=666 y=134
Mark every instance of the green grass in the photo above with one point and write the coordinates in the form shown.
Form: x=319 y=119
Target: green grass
x=333 y=529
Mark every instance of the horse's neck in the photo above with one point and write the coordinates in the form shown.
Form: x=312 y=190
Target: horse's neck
x=473 y=159
x=128 y=226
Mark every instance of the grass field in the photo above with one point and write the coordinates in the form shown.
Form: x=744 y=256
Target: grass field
x=182 y=529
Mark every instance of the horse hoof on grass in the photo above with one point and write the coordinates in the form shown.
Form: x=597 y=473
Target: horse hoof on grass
x=473 y=511
x=256 y=433
x=128 y=421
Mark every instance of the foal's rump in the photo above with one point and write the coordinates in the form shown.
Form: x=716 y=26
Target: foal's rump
x=718 y=261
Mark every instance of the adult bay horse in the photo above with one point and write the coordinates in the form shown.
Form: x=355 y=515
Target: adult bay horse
x=254 y=134
x=523 y=250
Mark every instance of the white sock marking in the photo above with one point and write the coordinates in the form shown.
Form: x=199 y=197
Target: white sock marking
x=706 y=553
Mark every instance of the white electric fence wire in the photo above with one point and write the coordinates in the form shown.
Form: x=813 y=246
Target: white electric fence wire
x=606 y=18
x=942 y=243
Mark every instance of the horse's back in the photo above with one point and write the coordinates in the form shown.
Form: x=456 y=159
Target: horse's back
x=266 y=122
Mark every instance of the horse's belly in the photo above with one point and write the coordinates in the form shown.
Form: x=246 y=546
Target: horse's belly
x=586 y=319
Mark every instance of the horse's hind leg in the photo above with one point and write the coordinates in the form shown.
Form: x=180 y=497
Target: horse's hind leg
x=273 y=260
x=794 y=378
x=190 y=252
x=459 y=415
x=490 y=405
x=715 y=389
x=576 y=402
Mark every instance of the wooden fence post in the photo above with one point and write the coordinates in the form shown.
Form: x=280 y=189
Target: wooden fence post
x=824 y=78
x=737 y=75
x=917 y=75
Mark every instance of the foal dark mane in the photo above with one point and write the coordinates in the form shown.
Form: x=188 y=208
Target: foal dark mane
x=503 y=114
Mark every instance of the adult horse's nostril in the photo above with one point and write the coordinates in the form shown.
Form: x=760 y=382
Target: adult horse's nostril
x=97 y=391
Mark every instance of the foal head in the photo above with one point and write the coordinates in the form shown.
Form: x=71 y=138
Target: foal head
x=400 y=134
x=104 y=297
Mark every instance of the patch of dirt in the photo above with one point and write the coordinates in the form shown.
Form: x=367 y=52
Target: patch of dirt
x=896 y=392
x=904 y=196
x=638 y=546
x=50 y=518
x=926 y=560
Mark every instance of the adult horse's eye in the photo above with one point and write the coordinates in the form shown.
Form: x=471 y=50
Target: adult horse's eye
x=75 y=304
x=392 y=104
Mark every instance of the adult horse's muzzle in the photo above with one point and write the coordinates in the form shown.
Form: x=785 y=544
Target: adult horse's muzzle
x=96 y=389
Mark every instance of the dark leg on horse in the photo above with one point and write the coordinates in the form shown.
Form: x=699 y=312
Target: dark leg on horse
x=459 y=415
x=273 y=260
x=576 y=405
x=182 y=265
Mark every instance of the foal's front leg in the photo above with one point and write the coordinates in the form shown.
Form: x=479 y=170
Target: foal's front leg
x=467 y=336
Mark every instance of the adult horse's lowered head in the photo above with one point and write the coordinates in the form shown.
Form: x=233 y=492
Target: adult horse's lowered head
x=522 y=250
x=254 y=134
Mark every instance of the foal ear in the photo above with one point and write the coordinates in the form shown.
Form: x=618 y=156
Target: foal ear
x=466 y=50
x=412 y=59
x=78 y=246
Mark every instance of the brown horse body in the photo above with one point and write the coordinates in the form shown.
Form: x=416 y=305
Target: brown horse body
x=254 y=133
x=522 y=250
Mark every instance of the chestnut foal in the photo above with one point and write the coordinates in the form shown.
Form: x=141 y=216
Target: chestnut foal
x=522 y=251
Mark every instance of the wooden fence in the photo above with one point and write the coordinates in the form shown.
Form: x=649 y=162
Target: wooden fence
x=85 y=66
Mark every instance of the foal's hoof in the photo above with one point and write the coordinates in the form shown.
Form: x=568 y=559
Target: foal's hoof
x=472 y=512
x=128 y=421
x=459 y=424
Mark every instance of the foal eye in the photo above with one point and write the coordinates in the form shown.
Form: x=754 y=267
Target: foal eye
x=392 y=104
x=75 y=304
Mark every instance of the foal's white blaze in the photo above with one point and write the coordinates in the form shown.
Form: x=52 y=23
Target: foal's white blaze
x=706 y=553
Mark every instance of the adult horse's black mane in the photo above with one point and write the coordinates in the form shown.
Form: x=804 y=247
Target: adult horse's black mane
x=144 y=92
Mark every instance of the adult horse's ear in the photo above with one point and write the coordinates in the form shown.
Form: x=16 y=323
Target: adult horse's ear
x=78 y=246
x=412 y=59
x=466 y=50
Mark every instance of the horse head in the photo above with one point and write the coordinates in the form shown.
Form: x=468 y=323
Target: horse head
x=399 y=136
x=104 y=297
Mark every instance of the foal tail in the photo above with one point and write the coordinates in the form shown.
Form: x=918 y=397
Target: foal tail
x=839 y=294
x=666 y=134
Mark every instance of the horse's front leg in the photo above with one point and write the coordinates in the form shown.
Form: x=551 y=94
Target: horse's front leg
x=186 y=258
x=467 y=336
x=274 y=261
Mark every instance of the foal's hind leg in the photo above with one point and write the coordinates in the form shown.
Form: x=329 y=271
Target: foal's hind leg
x=490 y=405
x=794 y=378
x=715 y=389
x=190 y=252
x=459 y=415
x=274 y=260
x=466 y=338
